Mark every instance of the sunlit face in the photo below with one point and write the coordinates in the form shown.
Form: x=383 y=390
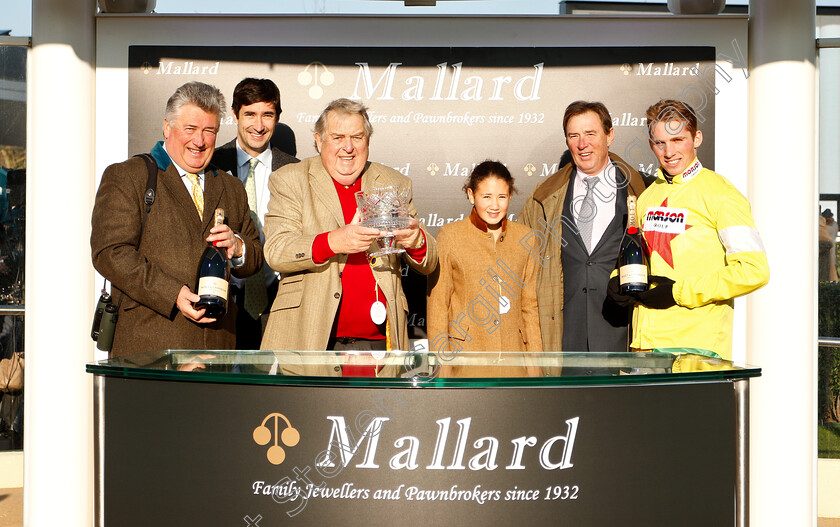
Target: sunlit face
x=674 y=146
x=344 y=146
x=588 y=143
x=491 y=200
x=191 y=137
x=255 y=125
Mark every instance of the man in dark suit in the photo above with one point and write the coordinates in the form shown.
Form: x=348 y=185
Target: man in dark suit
x=578 y=216
x=152 y=265
x=256 y=108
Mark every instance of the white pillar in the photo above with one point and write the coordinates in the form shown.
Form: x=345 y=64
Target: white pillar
x=829 y=112
x=58 y=443
x=781 y=322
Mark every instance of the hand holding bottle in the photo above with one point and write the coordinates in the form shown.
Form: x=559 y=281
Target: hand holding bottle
x=616 y=296
x=222 y=236
x=184 y=303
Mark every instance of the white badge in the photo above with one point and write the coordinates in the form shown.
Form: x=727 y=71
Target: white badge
x=666 y=219
x=504 y=304
x=378 y=354
x=377 y=312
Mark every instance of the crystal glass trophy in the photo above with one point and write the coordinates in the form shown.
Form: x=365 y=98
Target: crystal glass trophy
x=385 y=209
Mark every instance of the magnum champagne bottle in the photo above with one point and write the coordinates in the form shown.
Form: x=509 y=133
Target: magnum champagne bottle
x=633 y=265
x=213 y=276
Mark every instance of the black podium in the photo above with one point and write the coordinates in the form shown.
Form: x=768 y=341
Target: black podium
x=212 y=438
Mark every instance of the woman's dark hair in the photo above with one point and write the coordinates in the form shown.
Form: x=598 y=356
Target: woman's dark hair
x=486 y=169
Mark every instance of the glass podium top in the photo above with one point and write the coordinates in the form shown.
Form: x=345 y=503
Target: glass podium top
x=426 y=369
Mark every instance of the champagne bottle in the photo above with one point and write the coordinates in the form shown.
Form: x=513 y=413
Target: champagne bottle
x=213 y=276
x=633 y=265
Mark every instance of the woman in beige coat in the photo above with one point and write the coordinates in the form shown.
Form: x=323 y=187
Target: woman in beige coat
x=482 y=296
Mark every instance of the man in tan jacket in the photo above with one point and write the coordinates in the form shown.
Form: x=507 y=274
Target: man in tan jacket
x=332 y=296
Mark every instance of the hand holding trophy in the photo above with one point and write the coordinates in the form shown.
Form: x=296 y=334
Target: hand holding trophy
x=385 y=209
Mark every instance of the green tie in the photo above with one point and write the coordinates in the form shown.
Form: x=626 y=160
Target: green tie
x=197 y=194
x=251 y=191
x=256 y=298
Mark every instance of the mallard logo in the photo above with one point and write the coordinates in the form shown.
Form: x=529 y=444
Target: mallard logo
x=315 y=80
x=263 y=435
x=530 y=169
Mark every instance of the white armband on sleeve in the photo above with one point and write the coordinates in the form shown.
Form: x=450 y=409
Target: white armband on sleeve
x=740 y=238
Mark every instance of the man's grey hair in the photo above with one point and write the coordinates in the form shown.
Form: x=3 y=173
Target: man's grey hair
x=207 y=97
x=346 y=107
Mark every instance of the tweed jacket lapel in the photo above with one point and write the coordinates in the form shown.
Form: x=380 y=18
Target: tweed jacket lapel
x=371 y=178
x=225 y=157
x=276 y=161
x=280 y=158
x=176 y=188
x=324 y=191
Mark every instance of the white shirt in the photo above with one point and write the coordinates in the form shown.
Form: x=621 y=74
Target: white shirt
x=262 y=171
x=604 y=193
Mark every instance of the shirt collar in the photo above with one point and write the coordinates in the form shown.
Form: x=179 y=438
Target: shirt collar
x=243 y=157
x=181 y=171
x=689 y=173
x=602 y=176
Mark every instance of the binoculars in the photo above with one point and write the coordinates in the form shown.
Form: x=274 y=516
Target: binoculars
x=104 y=322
